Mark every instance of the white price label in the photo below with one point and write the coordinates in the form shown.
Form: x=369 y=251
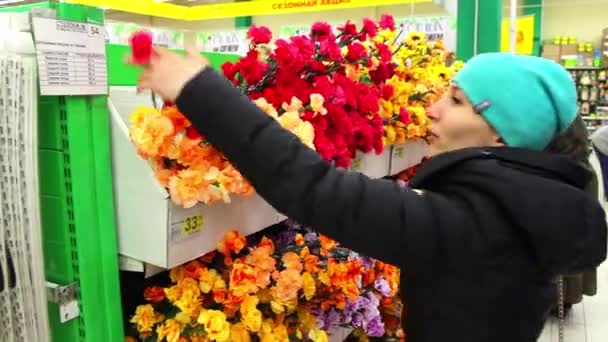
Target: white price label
x=71 y=57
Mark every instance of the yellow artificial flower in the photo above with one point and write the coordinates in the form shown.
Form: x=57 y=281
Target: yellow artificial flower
x=294 y=106
x=266 y=107
x=250 y=315
x=316 y=102
x=145 y=317
x=215 y=324
x=171 y=330
x=309 y=286
x=318 y=335
x=239 y=333
x=207 y=280
x=190 y=302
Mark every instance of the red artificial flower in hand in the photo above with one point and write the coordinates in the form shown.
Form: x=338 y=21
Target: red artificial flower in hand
x=141 y=47
x=369 y=28
x=387 y=22
x=321 y=31
x=259 y=35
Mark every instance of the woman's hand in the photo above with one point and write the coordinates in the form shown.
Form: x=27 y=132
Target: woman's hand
x=168 y=72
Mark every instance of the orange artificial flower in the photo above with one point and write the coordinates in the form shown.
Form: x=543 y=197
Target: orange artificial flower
x=327 y=243
x=289 y=283
x=179 y=121
x=194 y=269
x=299 y=239
x=242 y=279
x=185 y=187
x=311 y=263
x=291 y=261
x=267 y=243
x=263 y=263
x=154 y=294
x=233 y=242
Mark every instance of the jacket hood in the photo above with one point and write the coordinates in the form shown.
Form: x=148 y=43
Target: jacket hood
x=542 y=195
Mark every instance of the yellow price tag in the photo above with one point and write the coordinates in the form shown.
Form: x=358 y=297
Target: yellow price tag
x=192 y=224
x=399 y=152
x=356 y=164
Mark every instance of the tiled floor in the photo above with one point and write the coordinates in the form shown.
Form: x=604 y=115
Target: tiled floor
x=588 y=321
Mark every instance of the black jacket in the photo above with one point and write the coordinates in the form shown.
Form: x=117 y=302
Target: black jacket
x=478 y=246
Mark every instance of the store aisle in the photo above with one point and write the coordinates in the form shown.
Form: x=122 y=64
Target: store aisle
x=588 y=321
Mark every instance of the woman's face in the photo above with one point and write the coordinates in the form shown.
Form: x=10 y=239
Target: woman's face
x=455 y=125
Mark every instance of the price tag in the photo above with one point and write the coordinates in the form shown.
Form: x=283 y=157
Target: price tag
x=192 y=224
x=357 y=164
x=399 y=152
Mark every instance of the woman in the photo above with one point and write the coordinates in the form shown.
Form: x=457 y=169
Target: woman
x=494 y=219
x=574 y=143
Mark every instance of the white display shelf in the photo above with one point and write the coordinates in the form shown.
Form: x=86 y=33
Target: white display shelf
x=155 y=233
x=371 y=164
x=407 y=155
x=151 y=228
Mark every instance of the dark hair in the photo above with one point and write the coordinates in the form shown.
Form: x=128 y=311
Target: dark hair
x=573 y=143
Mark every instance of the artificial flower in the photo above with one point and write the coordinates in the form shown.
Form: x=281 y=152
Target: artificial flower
x=141 y=47
x=215 y=324
x=145 y=317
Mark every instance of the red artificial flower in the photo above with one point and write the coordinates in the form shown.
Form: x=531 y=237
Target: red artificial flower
x=259 y=35
x=230 y=70
x=369 y=28
x=305 y=45
x=388 y=91
x=356 y=52
x=330 y=50
x=321 y=31
x=288 y=56
x=193 y=134
x=141 y=47
x=404 y=116
x=382 y=73
x=387 y=22
x=251 y=69
x=154 y=294
x=167 y=103
x=386 y=55
x=349 y=30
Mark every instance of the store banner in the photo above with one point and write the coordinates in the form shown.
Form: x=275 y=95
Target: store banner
x=234 y=42
x=435 y=28
x=524 y=35
x=120 y=33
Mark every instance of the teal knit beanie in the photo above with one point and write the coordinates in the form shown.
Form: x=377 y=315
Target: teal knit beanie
x=528 y=100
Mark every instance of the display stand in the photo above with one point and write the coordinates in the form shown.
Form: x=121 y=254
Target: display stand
x=77 y=208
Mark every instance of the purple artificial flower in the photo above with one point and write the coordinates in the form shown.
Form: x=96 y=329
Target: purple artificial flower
x=285 y=239
x=375 y=327
x=311 y=236
x=383 y=287
x=329 y=320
